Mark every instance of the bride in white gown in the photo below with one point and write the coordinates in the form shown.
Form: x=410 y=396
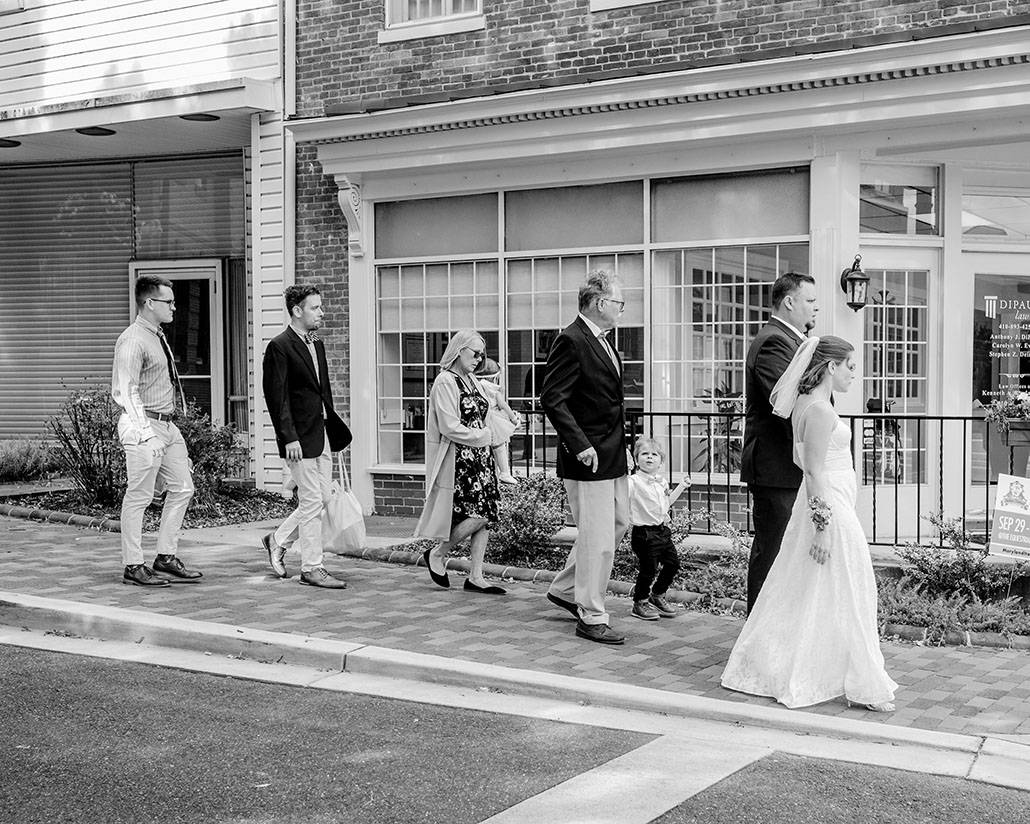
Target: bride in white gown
x=812 y=634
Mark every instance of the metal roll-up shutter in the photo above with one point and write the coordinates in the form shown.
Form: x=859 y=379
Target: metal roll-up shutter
x=65 y=243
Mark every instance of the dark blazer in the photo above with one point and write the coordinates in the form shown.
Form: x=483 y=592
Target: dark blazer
x=295 y=397
x=767 y=458
x=582 y=397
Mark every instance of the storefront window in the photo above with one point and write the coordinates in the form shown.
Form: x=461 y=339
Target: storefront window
x=899 y=200
x=706 y=305
x=995 y=217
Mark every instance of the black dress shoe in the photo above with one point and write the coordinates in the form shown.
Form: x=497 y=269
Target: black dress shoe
x=171 y=565
x=143 y=576
x=439 y=580
x=490 y=590
x=567 y=605
x=601 y=633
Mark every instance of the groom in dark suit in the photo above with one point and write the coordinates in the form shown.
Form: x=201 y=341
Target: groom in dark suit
x=582 y=396
x=307 y=430
x=767 y=458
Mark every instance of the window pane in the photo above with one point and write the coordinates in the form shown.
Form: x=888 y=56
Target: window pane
x=729 y=206
x=898 y=200
x=996 y=217
x=574 y=217
x=436 y=226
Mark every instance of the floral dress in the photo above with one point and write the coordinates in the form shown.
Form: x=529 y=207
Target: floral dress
x=475 y=483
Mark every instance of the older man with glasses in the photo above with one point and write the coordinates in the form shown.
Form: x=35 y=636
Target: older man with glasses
x=583 y=398
x=145 y=384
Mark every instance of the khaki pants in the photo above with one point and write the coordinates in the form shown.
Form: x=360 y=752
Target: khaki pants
x=601 y=512
x=313 y=477
x=142 y=474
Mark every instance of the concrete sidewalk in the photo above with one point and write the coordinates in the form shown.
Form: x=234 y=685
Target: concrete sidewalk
x=967 y=690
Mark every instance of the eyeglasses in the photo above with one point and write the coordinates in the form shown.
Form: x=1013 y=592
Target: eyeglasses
x=622 y=303
x=171 y=303
x=476 y=353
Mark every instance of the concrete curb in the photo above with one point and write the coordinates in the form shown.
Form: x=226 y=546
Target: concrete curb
x=115 y=624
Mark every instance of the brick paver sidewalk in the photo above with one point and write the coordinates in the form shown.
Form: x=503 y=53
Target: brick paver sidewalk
x=956 y=689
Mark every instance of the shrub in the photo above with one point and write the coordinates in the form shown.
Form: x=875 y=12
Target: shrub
x=958 y=568
x=528 y=516
x=88 y=451
x=211 y=448
x=24 y=460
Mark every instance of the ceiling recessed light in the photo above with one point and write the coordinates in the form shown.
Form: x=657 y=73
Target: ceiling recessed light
x=6 y=143
x=95 y=131
x=200 y=117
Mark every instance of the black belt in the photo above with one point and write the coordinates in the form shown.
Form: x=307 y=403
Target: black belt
x=162 y=416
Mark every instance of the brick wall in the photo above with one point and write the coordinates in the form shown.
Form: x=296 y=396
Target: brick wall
x=322 y=258
x=530 y=41
x=399 y=495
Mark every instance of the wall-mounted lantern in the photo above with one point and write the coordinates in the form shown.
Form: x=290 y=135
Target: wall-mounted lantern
x=855 y=284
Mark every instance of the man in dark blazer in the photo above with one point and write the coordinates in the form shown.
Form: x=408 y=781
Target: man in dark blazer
x=582 y=396
x=307 y=430
x=767 y=458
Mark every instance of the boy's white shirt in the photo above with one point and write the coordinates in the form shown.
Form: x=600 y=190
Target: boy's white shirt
x=648 y=499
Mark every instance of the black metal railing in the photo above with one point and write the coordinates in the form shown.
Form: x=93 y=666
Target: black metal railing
x=908 y=467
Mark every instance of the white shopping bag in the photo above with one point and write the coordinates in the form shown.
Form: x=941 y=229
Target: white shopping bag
x=343 y=524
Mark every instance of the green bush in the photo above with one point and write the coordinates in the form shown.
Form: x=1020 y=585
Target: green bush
x=88 y=450
x=528 y=516
x=24 y=460
x=957 y=568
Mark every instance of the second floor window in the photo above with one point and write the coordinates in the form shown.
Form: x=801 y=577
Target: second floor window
x=420 y=11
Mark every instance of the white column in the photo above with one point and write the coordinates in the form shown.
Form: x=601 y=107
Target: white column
x=833 y=222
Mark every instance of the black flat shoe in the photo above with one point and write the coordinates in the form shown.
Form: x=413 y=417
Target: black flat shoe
x=439 y=580
x=490 y=590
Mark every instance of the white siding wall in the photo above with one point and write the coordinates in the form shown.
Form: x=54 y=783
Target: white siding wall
x=60 y=50
x=269 y=276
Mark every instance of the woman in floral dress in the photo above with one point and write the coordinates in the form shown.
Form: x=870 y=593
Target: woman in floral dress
x=461 y=485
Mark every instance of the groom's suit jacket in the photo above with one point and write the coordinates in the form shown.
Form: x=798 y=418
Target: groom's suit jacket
x=295 y=397
x=582 y=397
x=767 y=458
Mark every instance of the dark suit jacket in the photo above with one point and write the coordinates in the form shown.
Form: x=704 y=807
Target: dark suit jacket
x=767 y=458
x=582 y=396
x=295 y=397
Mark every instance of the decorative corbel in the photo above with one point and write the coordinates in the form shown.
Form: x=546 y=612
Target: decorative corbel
x=349 y=195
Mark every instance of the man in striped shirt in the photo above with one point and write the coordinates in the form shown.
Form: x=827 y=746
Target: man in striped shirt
x=145 y=384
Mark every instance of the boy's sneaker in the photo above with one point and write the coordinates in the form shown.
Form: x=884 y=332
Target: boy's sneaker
x=663 y=607
x=645 y=611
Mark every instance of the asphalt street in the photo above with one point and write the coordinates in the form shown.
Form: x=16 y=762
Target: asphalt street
x=90 y=740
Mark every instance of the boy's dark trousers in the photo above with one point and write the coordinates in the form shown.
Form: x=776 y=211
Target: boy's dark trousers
x=653 y=545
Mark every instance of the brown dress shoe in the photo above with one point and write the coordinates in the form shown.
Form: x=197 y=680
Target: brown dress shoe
x=171 y=565
x=143 y=576
x=319 y=577
x=276 y=555
x=601 y=633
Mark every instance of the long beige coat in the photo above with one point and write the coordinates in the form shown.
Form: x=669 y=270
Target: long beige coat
x=443 y=430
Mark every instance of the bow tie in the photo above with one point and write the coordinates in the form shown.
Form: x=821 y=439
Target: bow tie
x=311 y=337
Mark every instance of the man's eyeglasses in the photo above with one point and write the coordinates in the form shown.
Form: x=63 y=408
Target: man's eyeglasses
x=476 y=353
x=164 y=300
x=622 y=303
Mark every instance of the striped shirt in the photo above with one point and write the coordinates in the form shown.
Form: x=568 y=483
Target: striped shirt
x=140 y=380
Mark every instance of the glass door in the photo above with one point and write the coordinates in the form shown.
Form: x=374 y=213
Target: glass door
x=894 y=458
x=195 y=334
x=1001 y=360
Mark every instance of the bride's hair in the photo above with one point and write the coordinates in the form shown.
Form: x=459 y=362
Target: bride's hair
x=830 y=349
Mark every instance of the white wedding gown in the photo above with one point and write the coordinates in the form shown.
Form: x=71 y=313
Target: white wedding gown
x=812 y=634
